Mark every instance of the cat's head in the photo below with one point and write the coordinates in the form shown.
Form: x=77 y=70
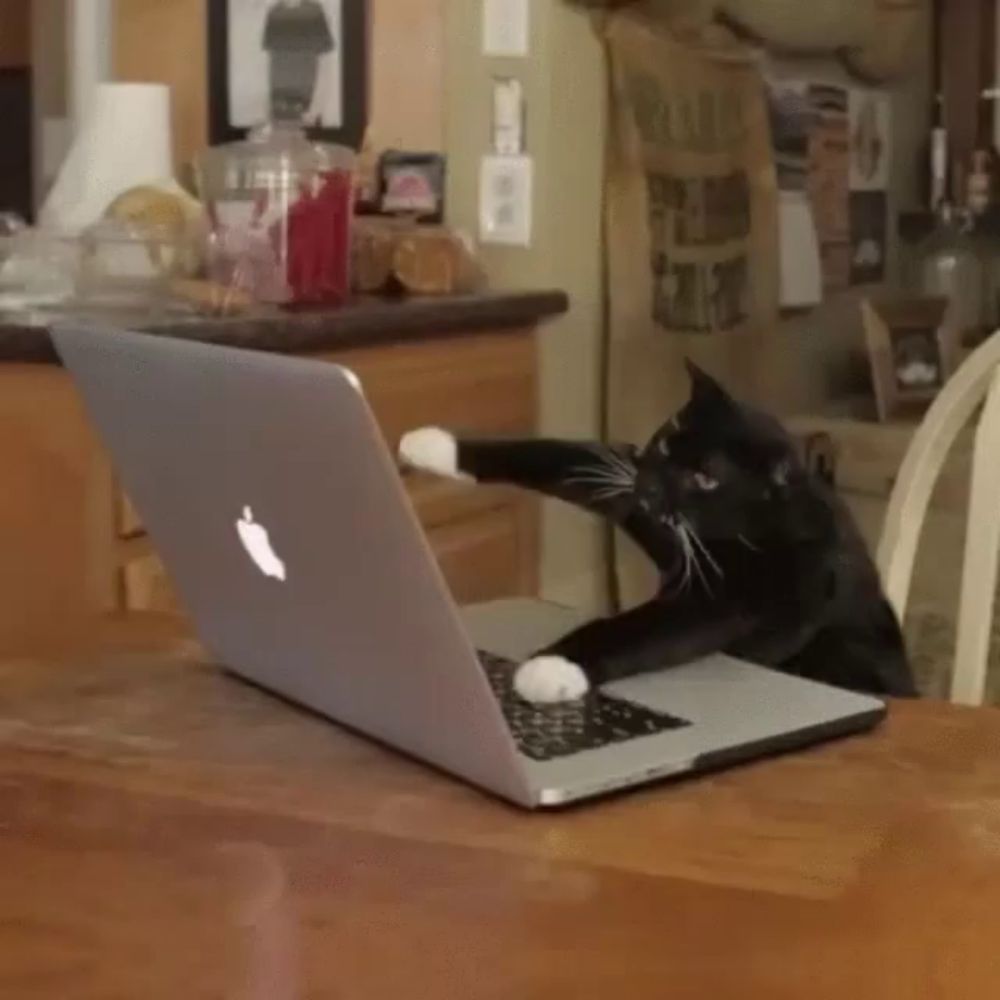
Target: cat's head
x=726 y=472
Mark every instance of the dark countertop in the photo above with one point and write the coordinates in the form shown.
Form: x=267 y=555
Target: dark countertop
x=361 y=323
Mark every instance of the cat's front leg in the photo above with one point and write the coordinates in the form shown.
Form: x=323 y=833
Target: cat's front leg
x=653 y=636
x=596 y=477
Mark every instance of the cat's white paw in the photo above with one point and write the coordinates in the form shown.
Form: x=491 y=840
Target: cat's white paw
x=548 y=680
x=431 y=449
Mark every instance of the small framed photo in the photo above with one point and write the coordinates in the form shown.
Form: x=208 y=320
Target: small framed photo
x=299 y=60
x=412 y=184
x=912 y=352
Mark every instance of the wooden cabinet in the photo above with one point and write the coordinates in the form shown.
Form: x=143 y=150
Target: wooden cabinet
x=74 y=549
x=485 y=538
x=15 y=34
x=55 y=527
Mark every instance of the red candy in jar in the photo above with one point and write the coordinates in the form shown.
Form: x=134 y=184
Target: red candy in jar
x=281 y=209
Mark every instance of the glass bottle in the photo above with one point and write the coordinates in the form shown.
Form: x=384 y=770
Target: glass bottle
x=951 y=267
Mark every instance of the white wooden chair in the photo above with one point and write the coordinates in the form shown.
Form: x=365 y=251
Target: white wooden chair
x=977 y=379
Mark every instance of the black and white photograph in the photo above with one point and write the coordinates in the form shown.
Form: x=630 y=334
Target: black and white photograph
x=303 y=61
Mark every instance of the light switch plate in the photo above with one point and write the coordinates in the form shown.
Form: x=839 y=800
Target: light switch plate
x=505 y=206
x=506 y=28
x=508 y=116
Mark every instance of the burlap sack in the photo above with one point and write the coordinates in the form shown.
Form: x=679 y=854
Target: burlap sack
x=691 y=231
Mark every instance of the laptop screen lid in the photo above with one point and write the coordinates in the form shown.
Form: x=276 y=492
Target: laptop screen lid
x=278 y=512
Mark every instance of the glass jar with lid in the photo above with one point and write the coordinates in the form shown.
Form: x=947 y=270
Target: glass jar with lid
x=280 y=208
x=950 y=265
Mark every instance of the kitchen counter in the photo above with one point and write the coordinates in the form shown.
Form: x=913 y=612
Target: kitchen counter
x=74 y=547
x=361 y=323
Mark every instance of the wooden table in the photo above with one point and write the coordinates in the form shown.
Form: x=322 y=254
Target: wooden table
x=168 y=832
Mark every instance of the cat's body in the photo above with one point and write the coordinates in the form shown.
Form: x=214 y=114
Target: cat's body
x=757 y=557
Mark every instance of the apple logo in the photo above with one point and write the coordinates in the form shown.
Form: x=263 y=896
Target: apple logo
x=257 y=543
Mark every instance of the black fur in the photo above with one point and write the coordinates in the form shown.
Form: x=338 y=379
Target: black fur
x=758 y=557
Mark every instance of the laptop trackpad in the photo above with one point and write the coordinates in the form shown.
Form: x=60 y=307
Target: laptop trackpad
x=739 y=697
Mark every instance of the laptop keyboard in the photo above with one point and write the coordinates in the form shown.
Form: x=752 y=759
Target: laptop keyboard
x=547 y=732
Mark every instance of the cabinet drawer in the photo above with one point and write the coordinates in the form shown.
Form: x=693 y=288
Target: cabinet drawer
x=483 y=558
x=147 y=587
x=483 y=384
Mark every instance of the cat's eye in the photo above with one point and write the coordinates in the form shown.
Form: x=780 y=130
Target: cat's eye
x=705 y=482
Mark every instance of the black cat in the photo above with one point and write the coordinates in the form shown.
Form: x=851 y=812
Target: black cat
x=758 y=557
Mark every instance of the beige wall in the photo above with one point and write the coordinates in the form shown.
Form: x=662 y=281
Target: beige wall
x=565 y=90
x=166 y=41
x=406 y=77
x=50 y=66
x=566 y=85
x=407 y=101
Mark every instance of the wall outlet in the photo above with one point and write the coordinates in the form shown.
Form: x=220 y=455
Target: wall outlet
x=505 y=193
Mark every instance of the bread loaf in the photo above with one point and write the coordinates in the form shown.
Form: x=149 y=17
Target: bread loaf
x=373 y=246
x=431 y=260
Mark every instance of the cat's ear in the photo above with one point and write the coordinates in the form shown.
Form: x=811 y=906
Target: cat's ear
x=704 y=388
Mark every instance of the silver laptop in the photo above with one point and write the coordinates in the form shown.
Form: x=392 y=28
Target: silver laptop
x=281 y=518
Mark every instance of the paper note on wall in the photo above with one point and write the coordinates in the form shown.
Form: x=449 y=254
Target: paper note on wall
x=829 y=151
x=871 y=149
x=792 y=115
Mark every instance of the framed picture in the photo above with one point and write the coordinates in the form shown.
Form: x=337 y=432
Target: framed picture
x=911 y=350
x=305 y=60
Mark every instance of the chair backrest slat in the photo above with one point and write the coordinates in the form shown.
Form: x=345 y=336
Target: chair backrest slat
x=982 y=554
x=978 y=376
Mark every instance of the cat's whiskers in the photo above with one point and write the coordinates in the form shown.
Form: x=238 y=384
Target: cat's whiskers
x=612 y=462
x=612 y=478
x=750 y=545
x=696 y=551
x=598 y=479
x=696 y=565
x=696 y=538
x=608 y=493
x=688 y=560
x=685 y=544
x=601 y=490
x=615 y=461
